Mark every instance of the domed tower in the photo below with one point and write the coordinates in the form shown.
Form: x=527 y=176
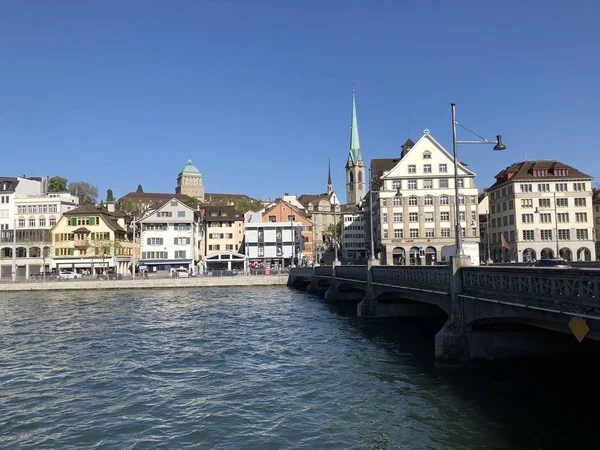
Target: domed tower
x=189 y=182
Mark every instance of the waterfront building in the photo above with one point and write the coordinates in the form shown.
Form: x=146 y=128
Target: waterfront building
x=171 y=237
x=31 y=210
x=411 y=228
x=223 y=230
x=91 y=238
x=353 y=237
x=355 y=167
x=189 y=182
x=279 y=235
x=596 y=213
x=541 y=209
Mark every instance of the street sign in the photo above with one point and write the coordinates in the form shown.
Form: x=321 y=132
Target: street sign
x=420 y=247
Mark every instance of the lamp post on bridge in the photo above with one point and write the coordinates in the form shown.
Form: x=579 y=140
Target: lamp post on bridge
x=371 y=184
x=498 y=145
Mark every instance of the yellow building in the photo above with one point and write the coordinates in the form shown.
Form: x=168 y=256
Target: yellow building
x=91 y=238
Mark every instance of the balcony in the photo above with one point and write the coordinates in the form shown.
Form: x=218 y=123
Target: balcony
x=81 y=243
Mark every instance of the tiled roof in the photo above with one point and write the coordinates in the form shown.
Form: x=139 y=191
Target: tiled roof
x=209 y=197
x=305 y=199
x=10 y=183
x=379 y=167
x=523 y=171
x=230 y=214
x=152 y=196
x=289 y=205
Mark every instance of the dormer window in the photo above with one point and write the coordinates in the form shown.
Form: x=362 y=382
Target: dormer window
x=540 y=172
x=561 y=172
x=426 y=154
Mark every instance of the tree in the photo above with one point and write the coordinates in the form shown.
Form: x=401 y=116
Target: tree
x=240 y=204
x=109 y=195
x=86 y=193
x=129 y=206
x=57 y=184
x=335 y=232
x=140 y=188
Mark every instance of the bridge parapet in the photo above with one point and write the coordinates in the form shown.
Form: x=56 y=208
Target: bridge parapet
x=358 y=273
x=323 y=271
x=423 y=277
x=568 y=290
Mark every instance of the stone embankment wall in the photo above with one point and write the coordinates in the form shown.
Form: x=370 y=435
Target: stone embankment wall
x=157 y=283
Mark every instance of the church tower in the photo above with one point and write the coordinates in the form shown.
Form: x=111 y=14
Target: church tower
x=329 y=183
x=355 y=167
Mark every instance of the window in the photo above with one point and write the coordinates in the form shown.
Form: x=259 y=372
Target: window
x=426 y=154
x=154 y=241
x=429 y=232
x=42 y=222
x=528 y=235
x=582 y=234
x=412 y=184
x=396 y=184
x=179 y=254
x=169 y=214
x=562 y=217
x=526 y=203
x=21 y=223
x=578 y=186
x=580 y=202
x=527 y=218
x=32 y=222
x=544 y=203
x=180 y=213
x=413 y=217
x=461 y=216
x=443 y=168
x=560 y=187
x=397 y=217
x=562 y=202
x=546 y=235
x=384 y=217
x=580 y=217
x=543 y=187
x=429 y=216
x=414 y=233
x=444 y=216
x=546 y=218
x=51 y=221
x=563 y=235
x=398 y=233
x=181 y=241
x=427 y=168
x=174 y=203
x=444 y=200
x=412 y=201
x=443 y=183
x=218 y=247
x=525 y=187
x=272 y=218
x=292 y=217
x=461 y=183
x=428 y=201
x=397 y=201
x=427 y=184
x=445 y=232
x=412 y=168
x=461 y=199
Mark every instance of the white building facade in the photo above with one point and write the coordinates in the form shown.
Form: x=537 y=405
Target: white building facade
x=353 y=237
x=170 y=238
x=411 y=228
x=541 y=209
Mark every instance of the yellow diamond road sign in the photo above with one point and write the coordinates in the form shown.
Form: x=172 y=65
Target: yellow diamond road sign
x=579 y=328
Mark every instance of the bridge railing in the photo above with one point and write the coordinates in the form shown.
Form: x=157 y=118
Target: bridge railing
x=307 y=272
x=424 y=277
x=358 y=273
x=574 y=290
x=323 y=271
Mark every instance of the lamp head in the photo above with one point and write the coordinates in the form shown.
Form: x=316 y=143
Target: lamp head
x=537 y=211
x=398 y=193
x=499 y=145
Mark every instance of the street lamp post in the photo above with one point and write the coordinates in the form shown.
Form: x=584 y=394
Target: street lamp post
x=537 y=211
x=133 y=249
x=335 y=243
x=498 y=145
x=14 y=252
x=487 y=236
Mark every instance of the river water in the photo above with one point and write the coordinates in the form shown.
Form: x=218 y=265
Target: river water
x=259 y=368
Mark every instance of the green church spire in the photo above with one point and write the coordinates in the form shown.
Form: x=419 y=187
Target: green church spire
x=354 y=156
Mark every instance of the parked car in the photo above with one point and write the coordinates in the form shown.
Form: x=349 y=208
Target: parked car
x=111 y=274
x=68 y=275
x=182 y=273
x=552 y=263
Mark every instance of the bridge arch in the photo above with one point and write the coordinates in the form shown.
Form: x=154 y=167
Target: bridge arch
x=584 y=254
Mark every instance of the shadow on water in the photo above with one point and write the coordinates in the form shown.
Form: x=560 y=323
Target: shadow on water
x=537 y=403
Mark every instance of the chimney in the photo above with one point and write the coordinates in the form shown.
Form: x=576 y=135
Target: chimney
x=110 y=206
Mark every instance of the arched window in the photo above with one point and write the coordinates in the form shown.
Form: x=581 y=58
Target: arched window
x=397 y=201
x=461 y=199
x=351 y=177
x=412 y=201
x=428 y=200
x=426 y=154
x=444 y=200
x=360 y=176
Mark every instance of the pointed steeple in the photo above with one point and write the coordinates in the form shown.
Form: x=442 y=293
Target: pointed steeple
x=329 y=183
x=354 y=155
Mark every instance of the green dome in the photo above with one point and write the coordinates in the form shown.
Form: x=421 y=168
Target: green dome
x=190 y=168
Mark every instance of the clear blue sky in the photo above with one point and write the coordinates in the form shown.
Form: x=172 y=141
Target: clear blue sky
x=258 y=93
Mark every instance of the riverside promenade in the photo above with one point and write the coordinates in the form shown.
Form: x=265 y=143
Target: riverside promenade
x=151 y=283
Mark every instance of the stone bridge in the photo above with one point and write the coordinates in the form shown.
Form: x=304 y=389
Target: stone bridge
x=487 y=312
